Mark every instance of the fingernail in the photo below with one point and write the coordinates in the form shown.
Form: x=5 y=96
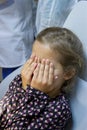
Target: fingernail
x=47 y=61
x=51 y=64
x=43 y=61
x=56 y=77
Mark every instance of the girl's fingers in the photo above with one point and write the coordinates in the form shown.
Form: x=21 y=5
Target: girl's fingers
x=28 y=63
x=36 y=72
x=27 y=75
x=31 y=71
x=36 y=59
x=41 y=70
x=38 y=75
x=51 y=74
x=46 y=72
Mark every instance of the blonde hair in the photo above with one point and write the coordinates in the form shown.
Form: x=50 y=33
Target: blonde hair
x=65 y=42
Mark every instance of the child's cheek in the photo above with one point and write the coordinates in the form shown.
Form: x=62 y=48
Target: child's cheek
x=56 y=75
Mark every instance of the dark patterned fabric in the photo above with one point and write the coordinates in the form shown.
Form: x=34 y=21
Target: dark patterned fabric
x=31 y=109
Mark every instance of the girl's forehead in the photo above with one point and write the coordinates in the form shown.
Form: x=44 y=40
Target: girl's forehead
x=42 y=50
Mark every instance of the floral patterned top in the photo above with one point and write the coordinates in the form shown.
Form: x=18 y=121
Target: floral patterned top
x=32 y=109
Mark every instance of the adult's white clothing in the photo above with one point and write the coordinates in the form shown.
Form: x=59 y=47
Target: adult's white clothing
x=16 y=32
x=52 y=13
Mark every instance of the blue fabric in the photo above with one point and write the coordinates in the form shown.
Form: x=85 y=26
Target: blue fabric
x=7 y=71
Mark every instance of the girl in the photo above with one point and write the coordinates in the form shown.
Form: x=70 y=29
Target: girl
x=36 y=99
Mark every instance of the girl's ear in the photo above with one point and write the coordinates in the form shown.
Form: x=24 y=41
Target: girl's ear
x=69 y=74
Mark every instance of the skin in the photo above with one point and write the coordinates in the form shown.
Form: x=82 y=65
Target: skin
x=42 y=72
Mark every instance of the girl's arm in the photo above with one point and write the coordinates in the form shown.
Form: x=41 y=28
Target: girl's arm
x=18 y=100
x=12 y=92
x=30 y=102
x=16 y=96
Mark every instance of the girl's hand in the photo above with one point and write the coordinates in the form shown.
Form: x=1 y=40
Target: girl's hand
x=27 y=71
x=43 y=77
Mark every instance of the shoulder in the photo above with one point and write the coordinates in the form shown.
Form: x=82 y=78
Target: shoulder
x=62 y=102
x=62 y=107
